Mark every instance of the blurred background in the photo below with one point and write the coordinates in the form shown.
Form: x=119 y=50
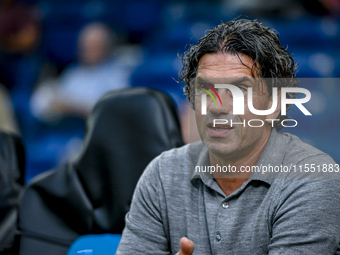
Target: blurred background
x=57 y=57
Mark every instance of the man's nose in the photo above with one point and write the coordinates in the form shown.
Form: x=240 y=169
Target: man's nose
x=227 y=103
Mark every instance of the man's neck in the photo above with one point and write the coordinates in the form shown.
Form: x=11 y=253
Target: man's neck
x=232 y=179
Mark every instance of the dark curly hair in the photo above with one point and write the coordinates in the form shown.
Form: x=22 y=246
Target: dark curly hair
x=248 y=37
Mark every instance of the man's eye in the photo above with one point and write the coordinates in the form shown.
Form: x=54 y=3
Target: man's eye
x=242 y=87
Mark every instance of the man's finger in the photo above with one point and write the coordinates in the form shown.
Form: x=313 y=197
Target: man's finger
x=187 y=246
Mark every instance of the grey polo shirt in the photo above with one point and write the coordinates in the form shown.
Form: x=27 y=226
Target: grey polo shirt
x=271 y=213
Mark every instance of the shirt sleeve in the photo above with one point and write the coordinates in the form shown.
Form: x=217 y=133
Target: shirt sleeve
x=307 y=216
x=144 y=231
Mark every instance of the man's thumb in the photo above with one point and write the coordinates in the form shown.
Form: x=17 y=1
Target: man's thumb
x=187 y=246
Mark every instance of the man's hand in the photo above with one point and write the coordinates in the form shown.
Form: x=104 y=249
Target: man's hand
x=187 y=247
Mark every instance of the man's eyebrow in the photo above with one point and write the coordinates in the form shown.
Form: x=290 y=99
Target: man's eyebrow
x=202 y=80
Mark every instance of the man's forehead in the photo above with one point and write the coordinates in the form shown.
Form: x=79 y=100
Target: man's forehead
x=225 y=58
x=217 y=65
x=225 y=80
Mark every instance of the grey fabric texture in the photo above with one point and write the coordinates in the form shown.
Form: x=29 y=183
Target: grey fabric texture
x=271 y=213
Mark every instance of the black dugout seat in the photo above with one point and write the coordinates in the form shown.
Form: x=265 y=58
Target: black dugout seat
x=12 y=177
x=92 y=193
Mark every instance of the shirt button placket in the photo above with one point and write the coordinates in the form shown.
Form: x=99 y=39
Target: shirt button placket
x=225 y=205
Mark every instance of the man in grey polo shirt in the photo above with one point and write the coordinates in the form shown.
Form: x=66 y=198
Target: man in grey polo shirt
x=203 y=198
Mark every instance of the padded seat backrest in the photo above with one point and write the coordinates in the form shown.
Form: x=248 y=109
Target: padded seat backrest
x=12 y=171
x=92 y=193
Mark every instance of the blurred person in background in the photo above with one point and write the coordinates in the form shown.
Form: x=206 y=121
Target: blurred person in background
x=8 y=121
x=103 y=65
x=20 y=35
x=20 y=58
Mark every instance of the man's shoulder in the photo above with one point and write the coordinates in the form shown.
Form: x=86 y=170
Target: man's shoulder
x=305 y=166
x=297 y=151
x=184 y=154
x=174 y=164
x=180 y=153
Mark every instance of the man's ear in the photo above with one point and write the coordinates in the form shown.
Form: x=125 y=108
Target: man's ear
x=192 y=91
x=276 y=113
x=192 y=103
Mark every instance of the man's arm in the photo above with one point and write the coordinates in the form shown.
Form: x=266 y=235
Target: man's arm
x=144 y=232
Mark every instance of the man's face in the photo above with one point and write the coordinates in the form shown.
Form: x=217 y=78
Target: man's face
x=224 y=141
x=93 y=47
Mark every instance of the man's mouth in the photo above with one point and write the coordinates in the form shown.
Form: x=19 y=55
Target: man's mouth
x=219 y=126
x=219 y=129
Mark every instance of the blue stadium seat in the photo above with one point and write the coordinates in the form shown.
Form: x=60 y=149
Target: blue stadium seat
x=104 y=244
